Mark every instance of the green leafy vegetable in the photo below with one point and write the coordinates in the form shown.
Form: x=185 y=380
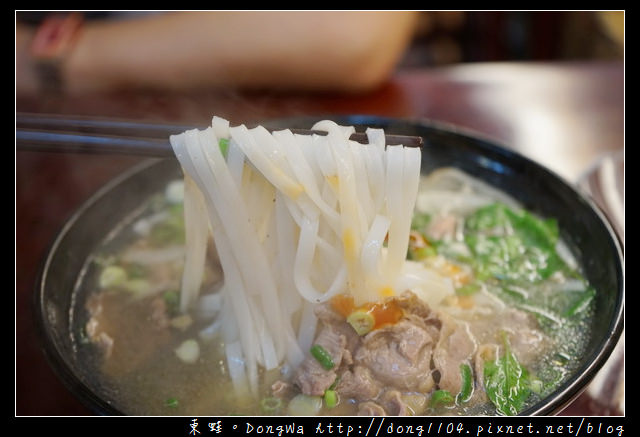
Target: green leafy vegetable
x=512 y=245
x=506 y=382
x=581 y=303
x=420 y=221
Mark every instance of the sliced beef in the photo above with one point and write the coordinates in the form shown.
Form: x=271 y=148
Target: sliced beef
x=328 y=316
x=412 y=304
x=311 y=377
x=525 y=338
x=394 y=403
x=390 y=369
x=455 y=347
x=399 y=355
x=281 y=389
x=358 y=384
x=397 y=403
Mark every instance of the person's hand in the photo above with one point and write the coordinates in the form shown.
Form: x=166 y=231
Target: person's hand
x=26 y=80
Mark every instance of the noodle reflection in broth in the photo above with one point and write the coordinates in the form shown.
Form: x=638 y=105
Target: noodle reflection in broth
x=317 y=275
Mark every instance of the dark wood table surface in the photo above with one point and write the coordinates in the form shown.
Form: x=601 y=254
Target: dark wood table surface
x=564 y=115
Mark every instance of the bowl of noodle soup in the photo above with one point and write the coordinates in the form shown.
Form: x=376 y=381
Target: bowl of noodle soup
x=420 y=287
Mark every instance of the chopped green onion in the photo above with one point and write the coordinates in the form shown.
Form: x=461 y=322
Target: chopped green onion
x=271 y=404
x=188 y=351
x=181 y=322
x=322 y=356
x=224 y=145
x=361 y=321
x=171 y=403
x=536 y=386
x=303 y=405
x=330 y=398
x=466 y=388
x=168 y=232
x=172 y=301
x=112 y=276
x=335 y=383
x=441 y=397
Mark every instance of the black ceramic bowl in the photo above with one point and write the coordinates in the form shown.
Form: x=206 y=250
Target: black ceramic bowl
x=589 y=236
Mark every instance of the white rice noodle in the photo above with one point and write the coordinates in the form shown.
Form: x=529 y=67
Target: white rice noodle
x=196 y=238
x=295 y=220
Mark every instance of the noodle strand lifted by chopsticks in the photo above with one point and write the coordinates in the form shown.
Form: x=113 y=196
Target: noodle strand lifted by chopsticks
x=296 y=220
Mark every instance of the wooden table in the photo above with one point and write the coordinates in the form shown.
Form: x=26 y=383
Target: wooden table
x=563 y=115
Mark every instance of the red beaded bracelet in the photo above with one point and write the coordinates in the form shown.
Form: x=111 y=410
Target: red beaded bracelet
x=51 y=44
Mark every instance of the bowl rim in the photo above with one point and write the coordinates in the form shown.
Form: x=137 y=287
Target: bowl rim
x=60 y=365
x=552 y=404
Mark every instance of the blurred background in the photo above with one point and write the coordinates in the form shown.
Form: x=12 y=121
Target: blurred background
x=449 y=37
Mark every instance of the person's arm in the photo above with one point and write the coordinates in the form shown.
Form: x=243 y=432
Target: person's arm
x=348 y=51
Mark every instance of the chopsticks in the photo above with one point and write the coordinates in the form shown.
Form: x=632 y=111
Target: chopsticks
x=57 y=133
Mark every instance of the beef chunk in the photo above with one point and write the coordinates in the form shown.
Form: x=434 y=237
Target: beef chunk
x=399 y=355
x=311 y=377
x=358 y=384
x=456 y=346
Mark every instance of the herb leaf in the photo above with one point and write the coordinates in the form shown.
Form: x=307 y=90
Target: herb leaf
x=506 y=382
x=512 y=245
